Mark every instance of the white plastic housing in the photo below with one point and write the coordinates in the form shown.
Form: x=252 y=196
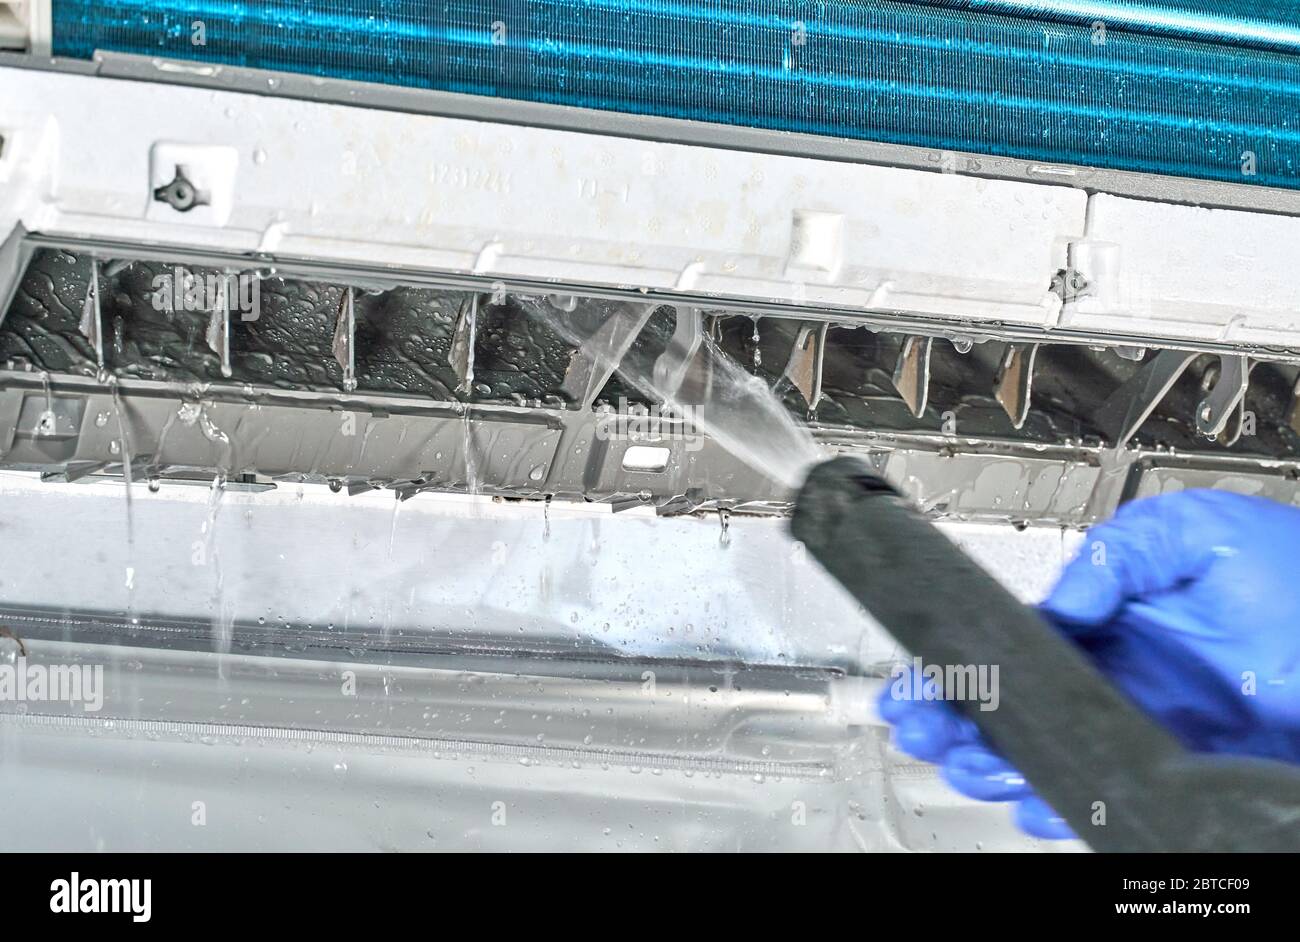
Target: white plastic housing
x=83 y=156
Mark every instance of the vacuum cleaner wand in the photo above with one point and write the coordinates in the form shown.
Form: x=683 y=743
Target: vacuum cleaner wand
x=1086 y=749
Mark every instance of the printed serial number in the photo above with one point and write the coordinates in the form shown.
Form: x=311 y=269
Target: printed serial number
x=471 y=178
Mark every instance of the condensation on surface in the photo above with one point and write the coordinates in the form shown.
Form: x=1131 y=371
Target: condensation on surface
x=405 y=337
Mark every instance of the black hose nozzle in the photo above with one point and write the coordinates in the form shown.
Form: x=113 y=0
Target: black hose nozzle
x=1120 y=780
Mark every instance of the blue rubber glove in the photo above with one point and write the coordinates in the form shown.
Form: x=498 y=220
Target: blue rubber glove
x=1190 y=604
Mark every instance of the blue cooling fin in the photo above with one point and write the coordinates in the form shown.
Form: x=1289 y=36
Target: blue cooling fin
x=1184 y=87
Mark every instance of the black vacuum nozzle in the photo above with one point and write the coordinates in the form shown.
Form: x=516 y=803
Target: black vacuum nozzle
x=1091 y=754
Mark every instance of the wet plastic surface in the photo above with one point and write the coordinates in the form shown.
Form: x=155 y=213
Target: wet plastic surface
x=326 y=672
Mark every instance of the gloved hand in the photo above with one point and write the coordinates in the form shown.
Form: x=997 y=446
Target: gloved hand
x=1190 y=604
